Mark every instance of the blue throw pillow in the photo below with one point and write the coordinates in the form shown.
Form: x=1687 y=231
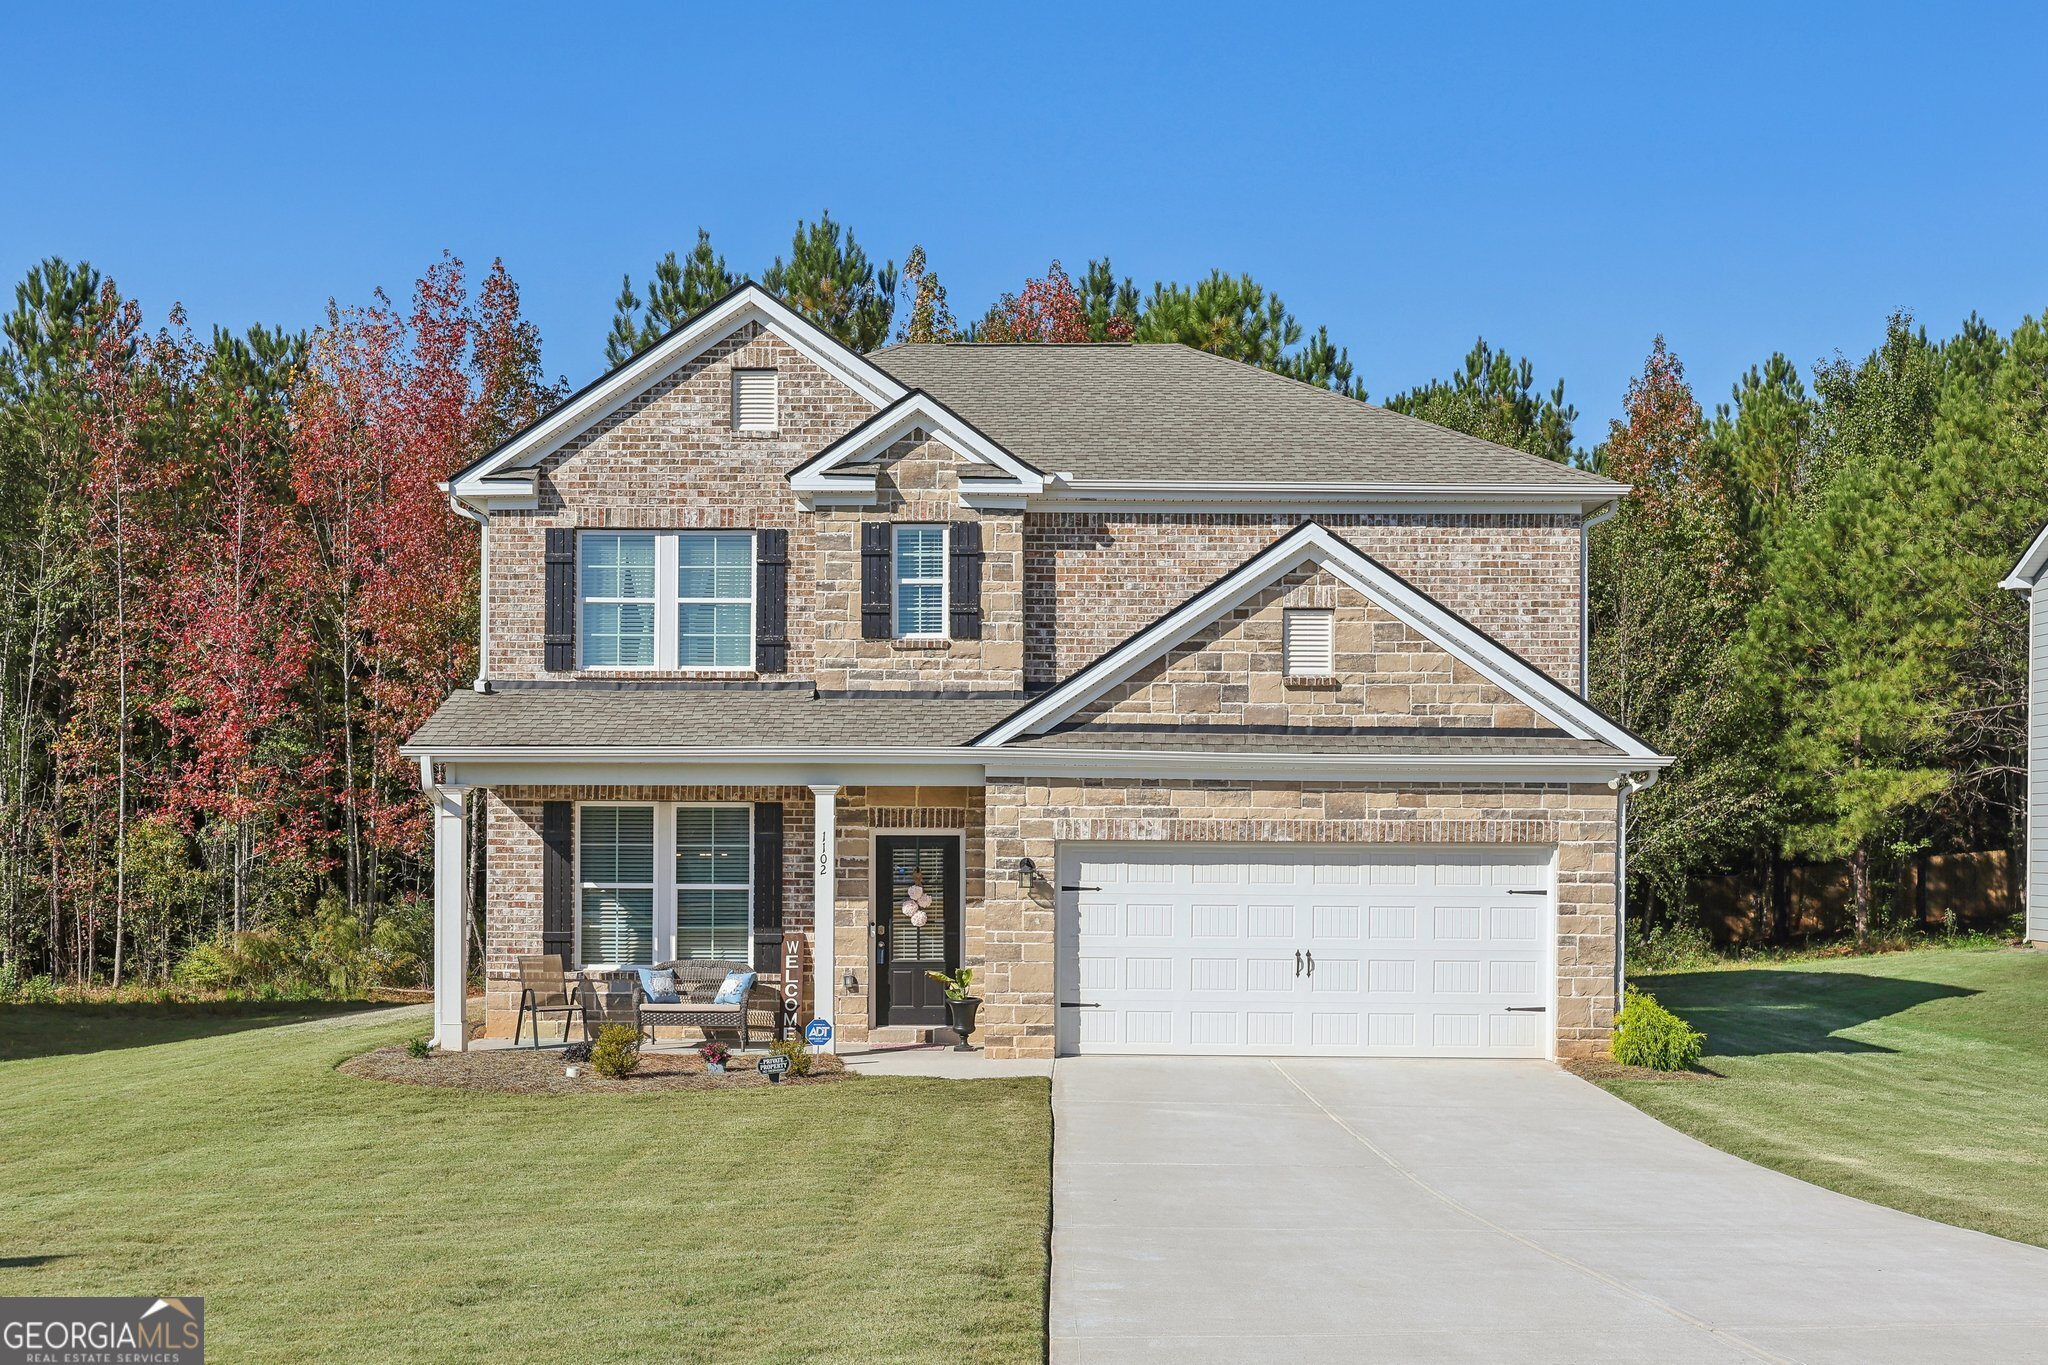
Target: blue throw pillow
x=734 y=991
x=660 y=986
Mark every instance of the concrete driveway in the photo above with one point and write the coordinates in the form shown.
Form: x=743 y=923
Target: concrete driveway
x=1233 y=1210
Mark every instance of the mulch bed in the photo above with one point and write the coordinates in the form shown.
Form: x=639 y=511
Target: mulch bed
x=531 y=1071
x=1607 y=1069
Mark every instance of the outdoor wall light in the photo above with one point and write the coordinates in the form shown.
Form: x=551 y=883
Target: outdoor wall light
x=1026 y=870
x=852 y=986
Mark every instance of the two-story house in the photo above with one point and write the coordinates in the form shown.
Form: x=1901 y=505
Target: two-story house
x=1196 y=709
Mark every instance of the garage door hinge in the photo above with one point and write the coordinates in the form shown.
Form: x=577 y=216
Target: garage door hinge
x=1528 y=1009
x=1079 y=1005
x=1080 y=888
x=1517 y=891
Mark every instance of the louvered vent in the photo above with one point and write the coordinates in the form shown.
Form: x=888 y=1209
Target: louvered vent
x=753 y=400
x=1308 y=644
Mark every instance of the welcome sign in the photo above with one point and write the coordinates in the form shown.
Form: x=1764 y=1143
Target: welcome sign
x=102 y=1331
x=792 y=1000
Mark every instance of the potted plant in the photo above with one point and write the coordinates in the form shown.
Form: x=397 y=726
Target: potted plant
x=715 y=1055
x=960 y=1006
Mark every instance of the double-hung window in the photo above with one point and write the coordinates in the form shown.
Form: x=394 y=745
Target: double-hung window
x=619 y=583
x=714 y=881
x=664 y=880
x=920 y=586
x=667 y=599
x=615 y=871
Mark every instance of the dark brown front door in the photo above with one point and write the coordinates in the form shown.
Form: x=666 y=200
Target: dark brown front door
x=917 y=876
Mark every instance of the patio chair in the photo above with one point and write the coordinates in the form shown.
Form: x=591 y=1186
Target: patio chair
x=544 y=989
x=609 y=1000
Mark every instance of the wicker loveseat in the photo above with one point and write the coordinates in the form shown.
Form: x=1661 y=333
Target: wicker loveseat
x=697 y=981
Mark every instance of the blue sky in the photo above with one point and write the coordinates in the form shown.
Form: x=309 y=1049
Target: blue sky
x=1568 y=184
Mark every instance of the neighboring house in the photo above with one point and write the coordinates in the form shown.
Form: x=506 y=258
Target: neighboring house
x=2026 y=578
x=1213 y=712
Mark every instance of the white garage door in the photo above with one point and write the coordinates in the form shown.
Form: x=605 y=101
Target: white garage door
x=1305 y=951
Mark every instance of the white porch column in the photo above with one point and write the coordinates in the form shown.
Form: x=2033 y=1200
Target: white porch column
x=824 y=906
x=451 y=920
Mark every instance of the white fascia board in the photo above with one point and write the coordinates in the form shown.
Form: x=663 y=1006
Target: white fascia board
x=1323 y=767
x=2027 y=572
x=916 y=410
x=1311 y=543
x=749 y=303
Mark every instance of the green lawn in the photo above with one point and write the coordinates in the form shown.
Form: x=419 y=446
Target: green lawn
x=325 y=1217
x=1918 y=1080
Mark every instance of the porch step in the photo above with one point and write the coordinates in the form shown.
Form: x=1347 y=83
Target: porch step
x=898 y=1035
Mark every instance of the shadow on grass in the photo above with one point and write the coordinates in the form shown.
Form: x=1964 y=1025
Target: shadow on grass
x=55 y=1030
x=1763 y=1011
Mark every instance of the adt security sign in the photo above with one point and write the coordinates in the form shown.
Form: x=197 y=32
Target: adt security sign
x=817 y=1033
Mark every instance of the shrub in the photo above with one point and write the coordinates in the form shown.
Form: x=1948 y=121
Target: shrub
x=418 y=1047
x=799 y=1055
x=1647 y=1034
x=206 y=966
x=616 y=1052
x=1672 y=948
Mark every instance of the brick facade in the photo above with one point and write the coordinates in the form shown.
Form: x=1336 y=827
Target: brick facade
x=1385 y=675
x=1093 y=579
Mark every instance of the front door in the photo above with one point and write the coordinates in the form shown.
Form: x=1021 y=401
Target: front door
x=917 y=919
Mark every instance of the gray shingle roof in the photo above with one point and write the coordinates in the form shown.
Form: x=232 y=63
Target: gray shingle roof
x=1438 y=742
x=1169 y=412
x=521 y=717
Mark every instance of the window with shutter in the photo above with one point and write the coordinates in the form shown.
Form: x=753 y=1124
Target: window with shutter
x=753 y=400
x=1308 y=643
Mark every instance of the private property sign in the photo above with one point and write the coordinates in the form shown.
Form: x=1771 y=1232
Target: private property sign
x=792 y=984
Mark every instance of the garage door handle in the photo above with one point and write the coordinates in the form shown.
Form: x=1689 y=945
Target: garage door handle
x=1079 y=1005
x=1528 y=1009
x=1311 y=964
x=1297 y=962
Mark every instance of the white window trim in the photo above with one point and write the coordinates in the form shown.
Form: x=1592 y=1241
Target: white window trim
x=669 y=601
x=775 y=382
x=897 y=580
x=576 y=853
x=665 y=885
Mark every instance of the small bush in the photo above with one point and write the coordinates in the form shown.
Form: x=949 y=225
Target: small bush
x=418 y=1047
x=616 y=1052
x=206 y=966
x=1672 y=948
x=1647 y=1034
x=799 y=1055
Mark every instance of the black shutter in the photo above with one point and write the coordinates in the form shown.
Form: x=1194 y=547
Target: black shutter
x=874 y=580
x=966 y=594
x=558 y=879
x=771 y=601
x=559 y=630
x=767 y=886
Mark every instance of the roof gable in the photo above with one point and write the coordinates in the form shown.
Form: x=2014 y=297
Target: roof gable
x=1314 y=544
x=839 y=468
x=2027 y=572
x=506 y=471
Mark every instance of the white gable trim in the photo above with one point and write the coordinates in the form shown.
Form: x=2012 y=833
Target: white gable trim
x=1312 y=543
x=487 y=478
x=837 y=467
x=2027 y=572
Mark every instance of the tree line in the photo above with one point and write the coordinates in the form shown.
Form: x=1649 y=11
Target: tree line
x=233 y=586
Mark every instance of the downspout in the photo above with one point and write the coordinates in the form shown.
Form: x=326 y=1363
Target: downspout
x=1586 y=525
x=483 y=616
x=1627 y=785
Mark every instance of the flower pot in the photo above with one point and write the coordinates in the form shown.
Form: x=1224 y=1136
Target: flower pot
x=714 y=1068
x=961 y=1013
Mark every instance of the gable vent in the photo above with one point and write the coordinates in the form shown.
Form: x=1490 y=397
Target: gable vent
x=1308 y=644
x=753 y=400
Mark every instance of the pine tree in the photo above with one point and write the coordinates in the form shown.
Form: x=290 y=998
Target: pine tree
x=1495 y=397
x=1228 y=316
x=678 y=292
x=1111 y=305
x=833 y=284
x=1323 y=364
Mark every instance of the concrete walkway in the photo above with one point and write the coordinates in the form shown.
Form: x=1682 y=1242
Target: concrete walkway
x=1323 y=1210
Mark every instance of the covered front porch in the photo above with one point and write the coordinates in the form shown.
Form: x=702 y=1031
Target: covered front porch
x=612 y=875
